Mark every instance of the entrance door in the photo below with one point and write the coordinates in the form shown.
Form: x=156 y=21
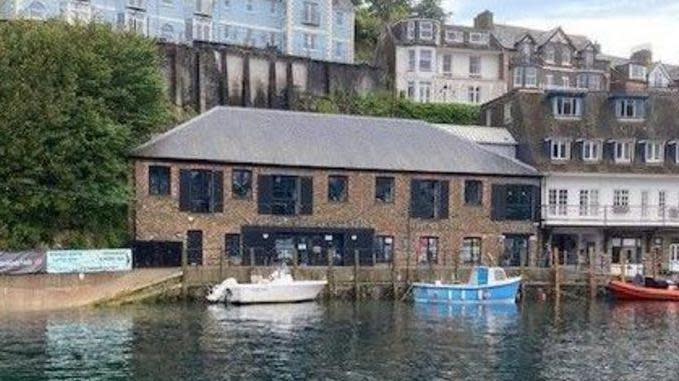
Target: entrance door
x=674 y=257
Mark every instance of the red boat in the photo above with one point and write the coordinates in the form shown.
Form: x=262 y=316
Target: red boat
x=630 y=291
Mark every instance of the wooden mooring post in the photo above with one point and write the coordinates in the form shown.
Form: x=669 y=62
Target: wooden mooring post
x=356 y=286
x=592 y=274
x=330 y=273
x=185 y=267
x=623 y=267
x=557 y=275
x=252 y=262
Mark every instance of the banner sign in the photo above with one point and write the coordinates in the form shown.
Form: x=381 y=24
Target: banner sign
x=88 y=261
x=21 y=263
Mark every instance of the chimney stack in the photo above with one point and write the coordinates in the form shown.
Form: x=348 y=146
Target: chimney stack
x=643 y=55
x=484 y=20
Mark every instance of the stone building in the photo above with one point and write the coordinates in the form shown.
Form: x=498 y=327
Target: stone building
x=432 y=62
x=316 y=29
x=610 y=168
x=268 y=186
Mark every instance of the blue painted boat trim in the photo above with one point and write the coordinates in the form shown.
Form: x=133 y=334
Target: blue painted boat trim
x=503 y=292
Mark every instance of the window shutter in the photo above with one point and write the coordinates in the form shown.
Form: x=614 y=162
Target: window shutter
x=445 y=200
x=640 y=152
x=547 y=148
x=498 y=202
x=577 y=150
x=671 y=152
x=217 y=191
x=184 y=190
x=536 y=202
x=264 y=189
x=306 y=196
x=415 y=209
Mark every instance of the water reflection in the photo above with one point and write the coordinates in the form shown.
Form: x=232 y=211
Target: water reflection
x=341 y=341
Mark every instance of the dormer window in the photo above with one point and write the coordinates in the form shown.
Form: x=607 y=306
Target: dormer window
x=567 y=107
x=623 y=151
x=591 y=150
x=454 y=35
x=630 y=109
x=549 y=55
x=478 y=38
x=426 y=30
x=410 y=30
x=654 y=152
x=637 y=72
x=526 y=49
x=560 y=149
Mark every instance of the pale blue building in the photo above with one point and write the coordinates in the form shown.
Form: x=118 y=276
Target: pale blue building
x=318 y=29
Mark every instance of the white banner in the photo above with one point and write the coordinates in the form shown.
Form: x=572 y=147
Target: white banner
x=88 y=261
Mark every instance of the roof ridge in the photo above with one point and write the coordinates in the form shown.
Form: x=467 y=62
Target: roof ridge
x=320 y=114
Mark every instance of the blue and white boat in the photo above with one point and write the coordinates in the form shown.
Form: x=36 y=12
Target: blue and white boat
x=486 y=285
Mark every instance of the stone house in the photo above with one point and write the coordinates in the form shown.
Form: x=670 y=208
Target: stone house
x=243 y=185
x=316 y=29
x=610 y=168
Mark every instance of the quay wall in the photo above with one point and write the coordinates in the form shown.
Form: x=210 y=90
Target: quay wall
x=202 y=76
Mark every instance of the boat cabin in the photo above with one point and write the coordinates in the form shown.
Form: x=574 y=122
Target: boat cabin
x=483 y=276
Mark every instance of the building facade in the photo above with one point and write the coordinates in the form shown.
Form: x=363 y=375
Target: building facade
x=459 y=64
x=272 y=186
x=318 y=29
x=610 y=191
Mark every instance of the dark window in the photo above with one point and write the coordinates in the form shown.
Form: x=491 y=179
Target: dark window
x=201 y=191
x=285 y=195
x=428 y=252
x=473 y=192
x=516 y=251
x=232 y=250
x=471 y=251
x=384 y=189
x=337 y=188
x=241 y=184
x=194 y=247
x=429 y=199
x=515 y=202
x=384 y=249
x=159 y=180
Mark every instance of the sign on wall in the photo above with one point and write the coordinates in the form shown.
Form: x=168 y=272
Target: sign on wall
x=21 y=263
x=88 y=261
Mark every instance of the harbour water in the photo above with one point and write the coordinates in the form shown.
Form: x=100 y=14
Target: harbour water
x=344 y=341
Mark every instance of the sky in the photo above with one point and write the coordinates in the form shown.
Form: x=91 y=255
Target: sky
x=618 y=25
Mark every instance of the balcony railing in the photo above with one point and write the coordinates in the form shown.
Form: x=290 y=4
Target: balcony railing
x=610 y=215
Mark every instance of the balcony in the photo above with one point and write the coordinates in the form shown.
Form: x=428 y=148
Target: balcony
x=610 y=215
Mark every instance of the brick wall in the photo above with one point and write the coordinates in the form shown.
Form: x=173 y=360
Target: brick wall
x=159 y=218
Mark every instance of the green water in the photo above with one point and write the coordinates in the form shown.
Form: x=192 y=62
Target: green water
x=343 y=341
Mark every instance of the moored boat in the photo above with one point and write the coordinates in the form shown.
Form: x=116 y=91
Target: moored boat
x=486 y=284
x=280 y=287
x=631 y=291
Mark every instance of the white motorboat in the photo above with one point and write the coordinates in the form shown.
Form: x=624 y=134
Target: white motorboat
x=280 y=287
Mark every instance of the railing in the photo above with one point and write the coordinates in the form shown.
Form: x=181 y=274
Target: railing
x=610 y=215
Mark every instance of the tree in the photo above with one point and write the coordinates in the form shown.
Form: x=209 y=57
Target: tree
x=374 y=19
x=75 y=99
x=430 y=9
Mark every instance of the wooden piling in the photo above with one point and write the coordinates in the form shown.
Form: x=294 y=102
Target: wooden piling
x=592 y=275
x=252 y=262
x=557 y=275
x=185 y=267
x=356 y=259
x=623 y=267
x=330 y=273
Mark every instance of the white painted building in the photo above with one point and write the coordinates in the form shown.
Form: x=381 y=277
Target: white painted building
x=447 y=63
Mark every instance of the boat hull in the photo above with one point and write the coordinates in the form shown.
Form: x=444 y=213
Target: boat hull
x=505 y=292
x=629 y=291
x=298 y=291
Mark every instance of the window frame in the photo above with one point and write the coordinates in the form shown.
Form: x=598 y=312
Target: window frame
x=560 y=149
x=475 y=186
x=619 y=147
x=561 y=103
x=344 y=196
x=163 y=189
x=425 y=65
x=467 y=252
x=654 y=152
x=428 y=31
x=425 y=250
x=594 y=145
x=382 y=242
x=475 y=70
x=236 y=194
x=391 y=182
x=623 y=106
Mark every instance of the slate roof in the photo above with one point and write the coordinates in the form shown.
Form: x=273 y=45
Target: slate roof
x=481 y=134
x=509 y=35
x=299 y=139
